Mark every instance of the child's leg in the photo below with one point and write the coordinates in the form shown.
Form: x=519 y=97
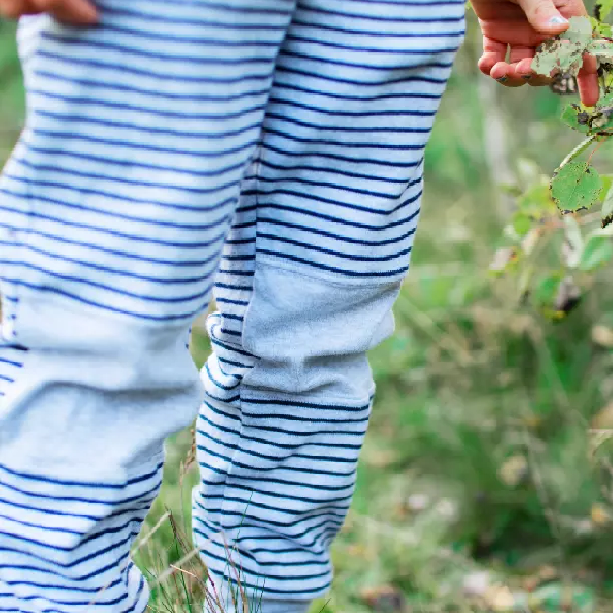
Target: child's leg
x=308 y=279
x=113 y=211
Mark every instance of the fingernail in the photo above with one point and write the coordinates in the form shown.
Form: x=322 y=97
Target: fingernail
x=557 y=20
x=502 y=79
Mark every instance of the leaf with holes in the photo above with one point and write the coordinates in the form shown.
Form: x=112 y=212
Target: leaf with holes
x=575 y=186
x=579 y=31
x=576 y=118
x=564 y=53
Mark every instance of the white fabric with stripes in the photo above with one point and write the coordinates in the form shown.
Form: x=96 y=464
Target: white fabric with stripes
x=278 y=143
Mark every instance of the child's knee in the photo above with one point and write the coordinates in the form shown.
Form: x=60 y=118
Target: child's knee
x=311 y=336
x=98 y=349
x=94 y=394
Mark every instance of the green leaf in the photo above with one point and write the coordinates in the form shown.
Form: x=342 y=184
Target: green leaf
x=605 y=100
x=521 y=223
x=602 y=119
x=598 y=251
x=579 y=31
x=600 y=28
x=601 y=48
x=602 y=115
x=588 y=122
x=603 y=8
x=575 y=186
x=576 y=118
x=546 y=58
x=564 y=53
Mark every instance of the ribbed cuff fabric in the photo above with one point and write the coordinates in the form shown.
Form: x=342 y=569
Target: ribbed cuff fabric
x=254 y=605
x=276 y=606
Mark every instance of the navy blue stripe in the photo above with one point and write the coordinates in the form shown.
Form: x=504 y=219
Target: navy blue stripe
x=87 y=484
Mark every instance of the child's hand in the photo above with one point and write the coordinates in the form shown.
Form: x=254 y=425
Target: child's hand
x=80 y=12
x=523 y=24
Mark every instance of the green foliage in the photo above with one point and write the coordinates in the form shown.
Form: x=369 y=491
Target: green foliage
x=553 y=259
x=550 y=257
x=576 y=118
x=597 y=121
x=575 y=186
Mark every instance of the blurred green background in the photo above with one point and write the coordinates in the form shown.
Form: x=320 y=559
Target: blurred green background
x=482 y=485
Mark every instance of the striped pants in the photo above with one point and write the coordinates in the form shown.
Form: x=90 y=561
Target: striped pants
x=266 y=152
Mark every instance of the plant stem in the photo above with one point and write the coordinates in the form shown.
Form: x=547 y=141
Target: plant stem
x=577 y=151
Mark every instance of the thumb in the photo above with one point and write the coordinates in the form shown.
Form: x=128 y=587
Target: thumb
x=544 y=17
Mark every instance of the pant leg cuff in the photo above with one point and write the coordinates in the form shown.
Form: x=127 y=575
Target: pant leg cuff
x=271 y=606
x=255 y=604
x=281 y=606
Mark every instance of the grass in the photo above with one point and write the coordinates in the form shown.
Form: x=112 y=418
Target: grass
x=480 y=485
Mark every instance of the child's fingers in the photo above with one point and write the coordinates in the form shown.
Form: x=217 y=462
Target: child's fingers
x=505 y=74
x=517 y=74
x=524 y=70
x=79 y=12
x=514 y=73
x=16 y=8
x=545 y=17
x=589 y=89
x=11 y=9
x=590 y=64
x=519 y=58
x=518 y=54
x=493 y=53
x=588 y=80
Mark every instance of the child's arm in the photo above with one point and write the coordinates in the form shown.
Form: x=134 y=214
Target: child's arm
x=523 y=24
x=70 y=11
